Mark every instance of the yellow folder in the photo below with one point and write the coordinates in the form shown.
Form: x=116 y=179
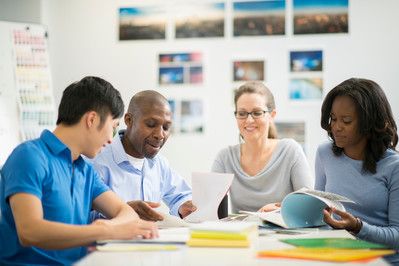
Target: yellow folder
x=219 y=235
x=203 y=242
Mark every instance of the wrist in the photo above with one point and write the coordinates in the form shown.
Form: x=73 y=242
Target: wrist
x=103 y=228
x=358 y=226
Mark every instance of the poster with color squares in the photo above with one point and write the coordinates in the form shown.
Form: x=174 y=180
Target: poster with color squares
x=180 y=68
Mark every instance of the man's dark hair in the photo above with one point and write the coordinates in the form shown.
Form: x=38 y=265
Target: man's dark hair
x=89 y=94
x=376 y=121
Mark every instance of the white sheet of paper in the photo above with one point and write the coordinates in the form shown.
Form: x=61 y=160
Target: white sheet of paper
x=208 y=191
x=170 y=221
x=166 y=236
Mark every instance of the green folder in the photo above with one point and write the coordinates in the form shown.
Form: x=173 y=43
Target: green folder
x=347 y=243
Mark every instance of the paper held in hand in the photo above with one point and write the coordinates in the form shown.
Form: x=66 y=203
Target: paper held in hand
x=208 y=191
x=303 y=208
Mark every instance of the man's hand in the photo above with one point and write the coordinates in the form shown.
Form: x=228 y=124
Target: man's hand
x=145 y=210
x=128 y=229
x=270 y=207
x=186 y=208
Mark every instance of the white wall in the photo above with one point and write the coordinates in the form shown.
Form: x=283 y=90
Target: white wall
x=20 y=10
x=84 y=41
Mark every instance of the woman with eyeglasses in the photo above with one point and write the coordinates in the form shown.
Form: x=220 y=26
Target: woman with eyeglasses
x=360 y=161
x=266 y=169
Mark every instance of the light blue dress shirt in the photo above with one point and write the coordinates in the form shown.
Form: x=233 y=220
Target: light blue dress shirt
x=156 y=181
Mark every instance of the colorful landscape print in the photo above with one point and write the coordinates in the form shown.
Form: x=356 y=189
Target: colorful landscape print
x=320 y=16
x=258 y=18
x=199 y=20
x=142 y=23
x=248 y=70
x=301 y=61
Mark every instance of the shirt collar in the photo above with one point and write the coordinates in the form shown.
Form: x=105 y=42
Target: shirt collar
x=56 y=146
x=119 y=153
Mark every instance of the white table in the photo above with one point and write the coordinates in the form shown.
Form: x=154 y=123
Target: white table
x=216 y=256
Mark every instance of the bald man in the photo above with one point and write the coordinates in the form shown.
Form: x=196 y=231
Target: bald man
x=131 y=166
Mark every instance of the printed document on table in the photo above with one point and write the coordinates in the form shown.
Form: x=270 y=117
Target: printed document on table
x=208 y=191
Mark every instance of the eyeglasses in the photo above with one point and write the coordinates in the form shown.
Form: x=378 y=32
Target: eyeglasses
x=255 y=114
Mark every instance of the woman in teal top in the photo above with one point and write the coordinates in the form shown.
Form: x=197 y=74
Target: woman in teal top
x=361 y=162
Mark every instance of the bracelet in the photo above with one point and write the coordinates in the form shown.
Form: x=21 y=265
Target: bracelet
x=358 y=227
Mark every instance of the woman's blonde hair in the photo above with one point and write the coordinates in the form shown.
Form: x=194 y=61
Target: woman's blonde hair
x=258 y=88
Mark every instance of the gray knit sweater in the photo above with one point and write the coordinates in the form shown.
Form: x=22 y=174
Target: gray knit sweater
x=287 y=171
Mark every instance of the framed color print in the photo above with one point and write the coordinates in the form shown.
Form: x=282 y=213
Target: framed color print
x=259 y=18
x=301 y=61
x=180 y=68
x=293 y=130
x=192 y=116
x=199 y=21
x=172 y=104
x=305 y=89
x=142 y=23
x=248 y=70
x=320 y=16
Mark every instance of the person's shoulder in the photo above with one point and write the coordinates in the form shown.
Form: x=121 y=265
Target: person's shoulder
x=389 y=165
x=288 y=142
x=103 y=157
x=325 y=147
x=391 y=157
x=289 y=145
x=32 y=149
x=228 y=150
x=28 y=156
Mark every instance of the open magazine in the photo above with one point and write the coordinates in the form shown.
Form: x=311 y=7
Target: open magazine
x=303 y=208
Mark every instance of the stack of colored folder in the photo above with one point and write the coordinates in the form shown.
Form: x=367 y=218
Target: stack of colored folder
x=222 y=234
x=329 y=249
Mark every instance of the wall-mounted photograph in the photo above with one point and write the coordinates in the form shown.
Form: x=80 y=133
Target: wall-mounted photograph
x=173 y=109
x=192 y=116
x=180 y=68
x=293 y=130
x=248 y=70
x=199 y=21
x=171 y=75
x=302 y=61
x=259 y=18
x=320 y=16
x=142 y=23
x=305 y=89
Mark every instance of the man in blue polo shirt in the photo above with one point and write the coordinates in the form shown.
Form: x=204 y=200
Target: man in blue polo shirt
x=132 y=167
x=47 y=190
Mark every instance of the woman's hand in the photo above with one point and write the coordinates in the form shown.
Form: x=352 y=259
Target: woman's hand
x=347 y=221
x=270 y=207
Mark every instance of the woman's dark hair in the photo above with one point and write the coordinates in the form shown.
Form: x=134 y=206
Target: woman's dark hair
x=375 y=117
x=89 y=94
x=258 y=88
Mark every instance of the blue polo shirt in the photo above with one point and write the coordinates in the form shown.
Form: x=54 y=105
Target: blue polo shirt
x=44 y=168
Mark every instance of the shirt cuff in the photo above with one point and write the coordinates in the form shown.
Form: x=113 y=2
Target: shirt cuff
x=364 y=231
x=174 y=210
